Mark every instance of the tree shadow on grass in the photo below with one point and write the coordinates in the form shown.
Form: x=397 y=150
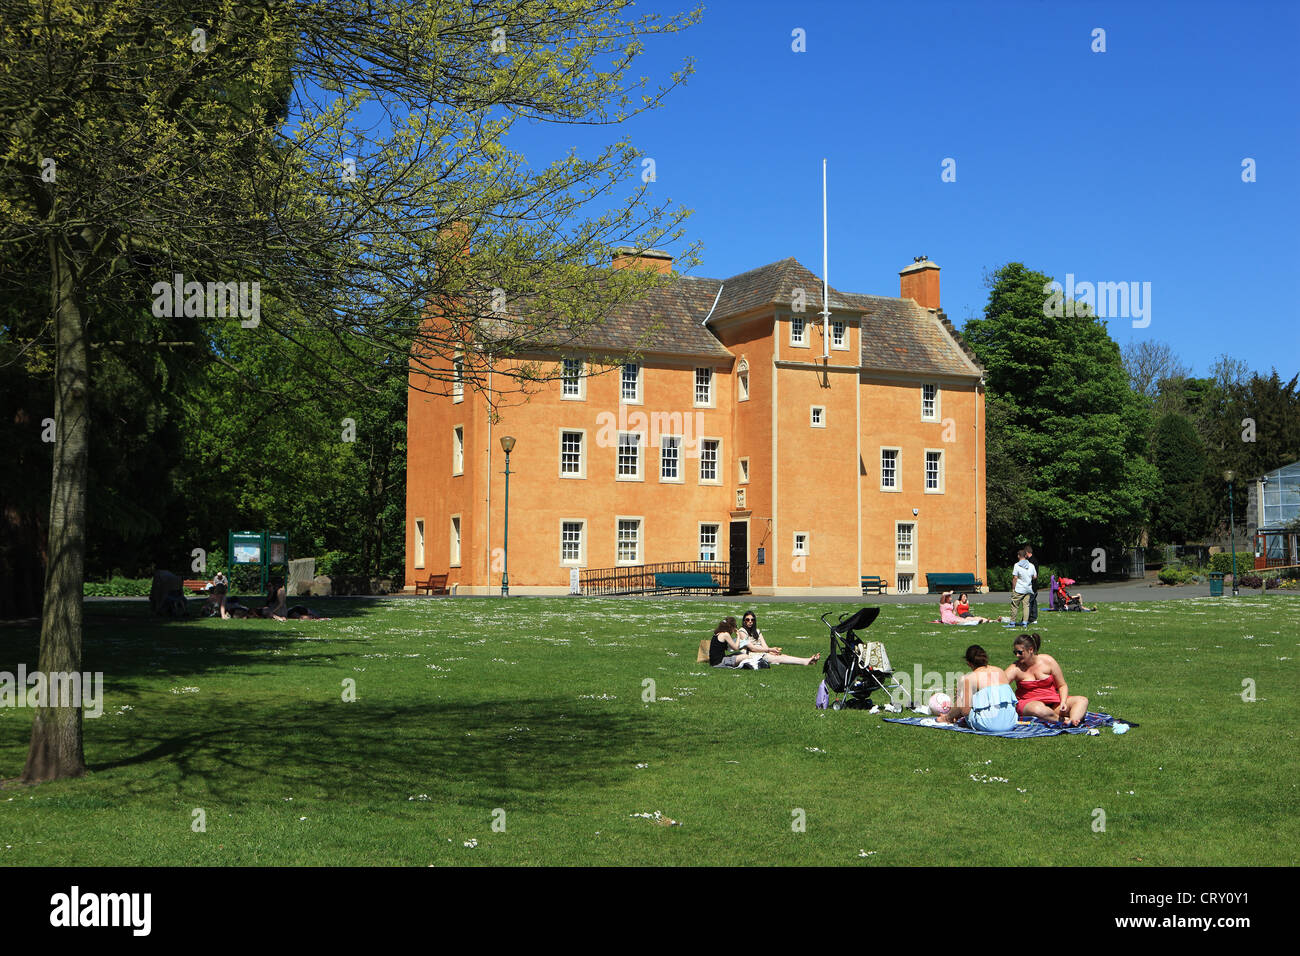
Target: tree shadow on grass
x=138 y=644
x=522 y=750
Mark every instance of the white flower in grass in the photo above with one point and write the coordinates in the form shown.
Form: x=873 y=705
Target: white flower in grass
x=301 y=818
x=867 y=852
x=470 y=843
x=814 y=750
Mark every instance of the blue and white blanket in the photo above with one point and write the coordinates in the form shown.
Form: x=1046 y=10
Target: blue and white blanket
x=1027 y=726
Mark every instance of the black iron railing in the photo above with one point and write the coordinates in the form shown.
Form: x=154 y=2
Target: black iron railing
x=670 y=577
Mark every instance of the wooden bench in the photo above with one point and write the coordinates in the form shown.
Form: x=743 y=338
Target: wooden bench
x=938 y=583
x=434 y=584
x=198 y=587
x=874 y=585
x=686 y=581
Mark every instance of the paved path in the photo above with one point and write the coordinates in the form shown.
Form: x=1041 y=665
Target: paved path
x=1092 y=593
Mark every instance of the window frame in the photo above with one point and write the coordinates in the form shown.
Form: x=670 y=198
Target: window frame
x=801 y=551
x=640 y=457
x=582 y=453
x=710 y=386
x=937 y=415
x=456 y=530
x=676 y=442
x=457 y=450
x=742 y=470
x=717 y=539
x=418 y=552
x=581 y=560
x=458 y=378
x=813 y=418
x=843 y=344
x=717 y=461
x=640 y=539
x=581 y=395
x=802 y=342
x=911 y=564
x=640 y=384
x=939 y=488
x=897 y=486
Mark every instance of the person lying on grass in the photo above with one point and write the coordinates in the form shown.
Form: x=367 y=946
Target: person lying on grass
x=947 y=615
x=224 y=606
x=725 y=651
x=275 y=608
x=983 y=697
x=1041 y=690
x=750 y=639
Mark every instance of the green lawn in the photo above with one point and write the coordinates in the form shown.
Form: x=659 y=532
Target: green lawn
x=535 y=707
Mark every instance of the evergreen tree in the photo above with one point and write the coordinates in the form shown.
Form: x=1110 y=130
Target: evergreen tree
x=1073 y=424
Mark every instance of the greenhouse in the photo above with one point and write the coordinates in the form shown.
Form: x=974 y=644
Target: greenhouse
x=1277 y=498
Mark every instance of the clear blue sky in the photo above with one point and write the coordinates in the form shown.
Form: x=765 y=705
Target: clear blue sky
x=1115 y=166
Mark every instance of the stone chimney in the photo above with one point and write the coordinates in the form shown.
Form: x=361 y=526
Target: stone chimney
x=655 y=260
x=920 y=281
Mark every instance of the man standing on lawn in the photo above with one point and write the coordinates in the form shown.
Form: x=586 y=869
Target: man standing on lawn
x=1033 y=585
x=1022 y=586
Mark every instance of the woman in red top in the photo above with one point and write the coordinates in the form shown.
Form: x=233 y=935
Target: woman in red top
x=1041 y=690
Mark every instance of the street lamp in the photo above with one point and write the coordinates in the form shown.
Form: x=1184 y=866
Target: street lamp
x=1231 y=518
x=508 y=445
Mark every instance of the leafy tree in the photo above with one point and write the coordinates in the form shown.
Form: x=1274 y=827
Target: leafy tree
x=1181 y=508
x=143 y=141
x=1007 y=523
x=1072 y=422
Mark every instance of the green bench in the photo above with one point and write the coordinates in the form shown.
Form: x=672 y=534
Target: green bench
x=938 y=583
x=873 y=585
x=686 y=581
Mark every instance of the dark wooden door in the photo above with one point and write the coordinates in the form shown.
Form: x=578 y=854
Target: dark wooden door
x=739 y=557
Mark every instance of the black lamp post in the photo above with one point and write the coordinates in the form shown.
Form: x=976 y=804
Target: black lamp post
x=1232 y=523
x=508 y=445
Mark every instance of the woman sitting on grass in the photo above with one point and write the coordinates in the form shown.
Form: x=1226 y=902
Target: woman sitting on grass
x=984 y=698
x=725 y=650
x=949 y=616
x=750 y=638
x=1041 y=690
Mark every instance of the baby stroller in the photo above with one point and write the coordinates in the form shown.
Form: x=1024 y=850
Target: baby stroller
x=856 y=668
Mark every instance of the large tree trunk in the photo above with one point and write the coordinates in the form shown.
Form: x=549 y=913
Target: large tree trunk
x=56 y=747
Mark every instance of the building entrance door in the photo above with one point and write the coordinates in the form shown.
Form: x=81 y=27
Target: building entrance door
x=739 y=558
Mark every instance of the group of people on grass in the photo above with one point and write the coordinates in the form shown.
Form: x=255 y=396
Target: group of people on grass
x=1024 y=591
x=743 y=645
x=220 y=604
x=985 y=700
x=1024 y=597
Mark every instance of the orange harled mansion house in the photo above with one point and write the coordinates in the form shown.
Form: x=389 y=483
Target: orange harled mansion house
x=737 y=434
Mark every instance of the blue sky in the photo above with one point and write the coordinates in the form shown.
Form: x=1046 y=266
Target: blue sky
x=1122 y=166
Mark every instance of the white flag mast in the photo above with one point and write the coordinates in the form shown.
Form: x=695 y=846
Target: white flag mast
x=826 y=309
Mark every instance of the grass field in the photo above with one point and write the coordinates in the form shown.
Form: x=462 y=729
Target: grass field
x=530 y=714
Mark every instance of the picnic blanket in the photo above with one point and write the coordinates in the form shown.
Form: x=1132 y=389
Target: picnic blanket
x=1026 y=727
